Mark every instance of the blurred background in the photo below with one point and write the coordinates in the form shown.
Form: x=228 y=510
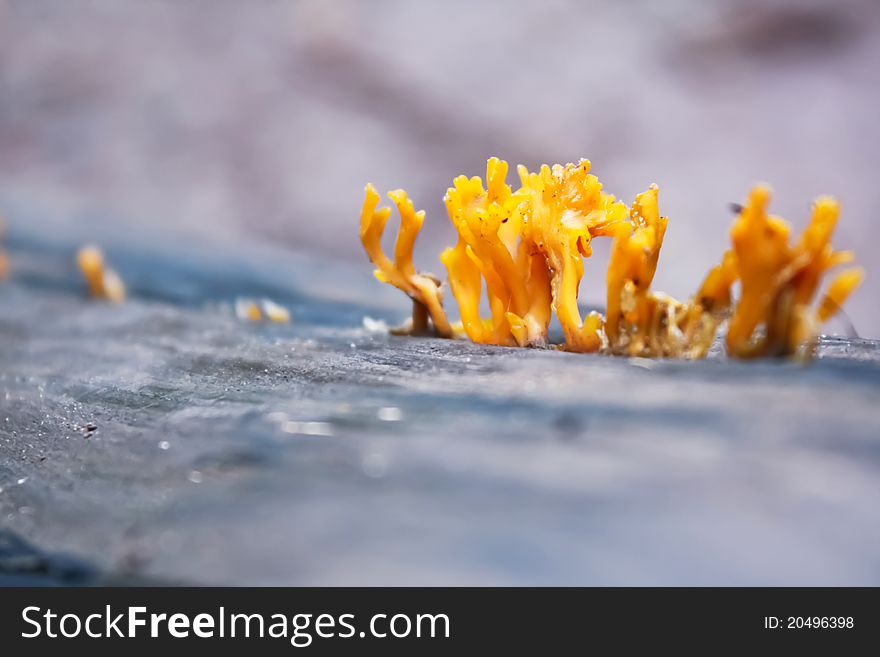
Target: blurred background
x=222 y=120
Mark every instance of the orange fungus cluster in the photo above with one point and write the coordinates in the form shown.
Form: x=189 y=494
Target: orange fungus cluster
x=526 y=247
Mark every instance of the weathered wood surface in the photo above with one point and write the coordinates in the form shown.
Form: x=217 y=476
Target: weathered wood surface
x=164 y=439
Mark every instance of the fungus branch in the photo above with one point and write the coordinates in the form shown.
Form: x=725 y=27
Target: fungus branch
x=423 y=289
x=774 y=315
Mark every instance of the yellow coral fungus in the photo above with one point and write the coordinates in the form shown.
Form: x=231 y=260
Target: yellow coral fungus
x=423 y=289
x=563 y=208
x=489 y=224
x=526 y=247
x=779 y=281
x=103 y=283
x=634 y=255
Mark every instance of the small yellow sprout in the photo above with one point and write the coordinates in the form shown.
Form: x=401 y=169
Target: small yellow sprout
x=275 y=313
x=248 y=310
x=103 y=283
x=257 y=311
x=526 y=247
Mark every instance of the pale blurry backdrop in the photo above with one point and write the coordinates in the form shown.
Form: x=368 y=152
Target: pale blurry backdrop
x=226 y=120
